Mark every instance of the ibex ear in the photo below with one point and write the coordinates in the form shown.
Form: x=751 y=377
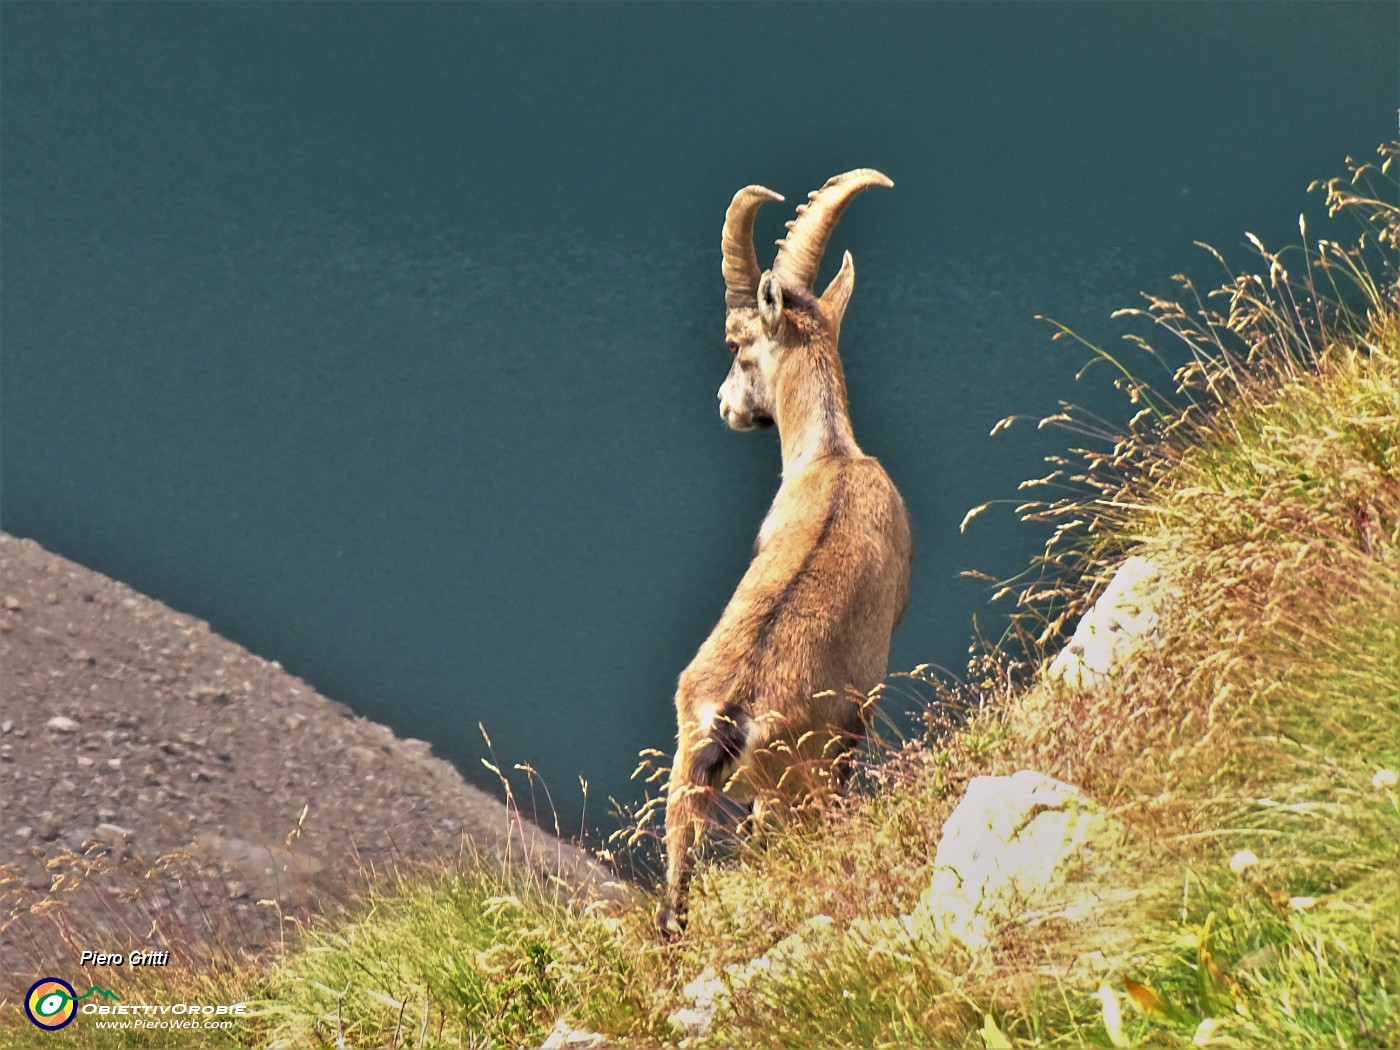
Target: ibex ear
x=770 y=302
x=838 y=292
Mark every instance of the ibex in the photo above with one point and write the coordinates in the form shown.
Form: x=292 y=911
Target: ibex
x=777 y=695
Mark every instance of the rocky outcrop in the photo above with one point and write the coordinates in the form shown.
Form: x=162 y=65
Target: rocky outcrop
x=1010 y=850
x=1120 y=623
x=1018 y=850
x=565 y=1037
x=707 y=993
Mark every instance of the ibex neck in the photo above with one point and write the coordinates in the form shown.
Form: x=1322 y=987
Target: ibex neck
x=812 y=417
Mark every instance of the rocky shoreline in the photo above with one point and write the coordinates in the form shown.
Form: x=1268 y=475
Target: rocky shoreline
x=177 y=792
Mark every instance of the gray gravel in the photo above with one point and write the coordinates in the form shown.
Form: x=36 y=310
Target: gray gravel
x=130 y=732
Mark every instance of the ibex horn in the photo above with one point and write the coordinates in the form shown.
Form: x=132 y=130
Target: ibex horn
x=801 y=251
x=740 y=261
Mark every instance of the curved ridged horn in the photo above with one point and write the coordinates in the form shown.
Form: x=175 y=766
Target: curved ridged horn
x=740 y=264
x=801 y=251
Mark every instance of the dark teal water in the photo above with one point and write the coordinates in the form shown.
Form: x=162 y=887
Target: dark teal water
x=386 y=337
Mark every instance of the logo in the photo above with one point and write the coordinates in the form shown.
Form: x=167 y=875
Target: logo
x=52 y=1004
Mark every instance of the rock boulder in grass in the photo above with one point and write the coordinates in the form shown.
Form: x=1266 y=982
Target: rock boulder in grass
x=1121 y=621
x=709 y=992
x=1007 y=853
x=566 y=1037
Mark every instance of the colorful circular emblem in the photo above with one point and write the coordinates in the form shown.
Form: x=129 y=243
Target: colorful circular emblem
x=51 y=1003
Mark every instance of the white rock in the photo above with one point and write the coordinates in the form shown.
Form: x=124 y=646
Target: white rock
x=563 y=1037
x=1004 y=854
x=693 y=1020
x=62 y=724
x=1117 y=626
x=702 y=992
x=1242 y=860
x=707 y=991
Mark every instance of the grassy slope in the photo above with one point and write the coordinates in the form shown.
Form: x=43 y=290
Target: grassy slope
x=1261 y=723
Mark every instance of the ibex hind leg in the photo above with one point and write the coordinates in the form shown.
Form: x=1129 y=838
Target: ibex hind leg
x=699 y=768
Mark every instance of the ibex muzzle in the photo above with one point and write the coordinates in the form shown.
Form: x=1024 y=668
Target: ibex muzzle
x=777 y=695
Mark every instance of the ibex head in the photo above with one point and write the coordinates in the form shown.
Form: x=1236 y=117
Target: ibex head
x=771 y=314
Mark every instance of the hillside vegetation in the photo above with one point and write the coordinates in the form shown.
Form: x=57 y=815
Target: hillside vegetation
x=1249 y=755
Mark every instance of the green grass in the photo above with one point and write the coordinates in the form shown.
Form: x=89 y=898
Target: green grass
x=1253 y=901
x=456 y=961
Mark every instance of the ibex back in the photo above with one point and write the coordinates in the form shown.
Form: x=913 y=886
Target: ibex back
x=777 y=695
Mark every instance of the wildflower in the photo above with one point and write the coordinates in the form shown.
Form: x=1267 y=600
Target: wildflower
x=1384 y=778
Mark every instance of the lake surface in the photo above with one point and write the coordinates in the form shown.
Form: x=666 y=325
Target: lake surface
x=386 y=337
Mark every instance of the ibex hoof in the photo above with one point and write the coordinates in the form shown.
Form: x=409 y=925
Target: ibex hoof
x=670 y=924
